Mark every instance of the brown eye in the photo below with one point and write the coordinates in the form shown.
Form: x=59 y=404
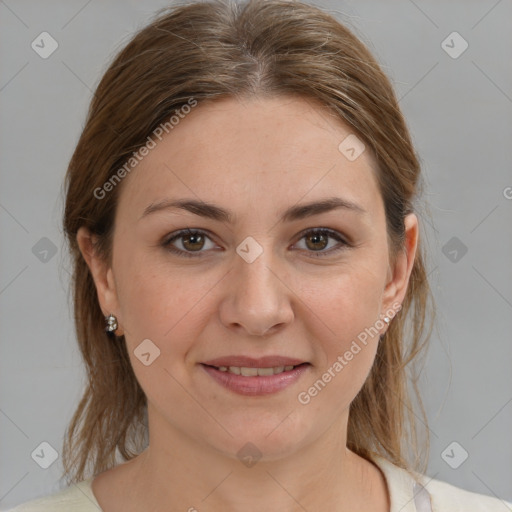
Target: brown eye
x=190 y=242
x=187 y=242
x=193 y=242
x=317 y=240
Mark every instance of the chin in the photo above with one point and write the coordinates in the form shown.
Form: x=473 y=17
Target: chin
x=266 y=440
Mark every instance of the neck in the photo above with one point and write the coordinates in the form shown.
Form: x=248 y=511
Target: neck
x=180 y=472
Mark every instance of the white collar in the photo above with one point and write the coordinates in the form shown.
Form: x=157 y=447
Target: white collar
x=406 y=492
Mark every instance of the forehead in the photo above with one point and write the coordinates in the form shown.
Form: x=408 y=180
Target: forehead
x=270 y=150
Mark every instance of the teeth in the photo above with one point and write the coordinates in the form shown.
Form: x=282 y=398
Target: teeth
x=247 y=372
x=265 y=371
x=253 y=372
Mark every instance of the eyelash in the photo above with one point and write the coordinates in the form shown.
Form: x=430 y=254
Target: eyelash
x=316 y=231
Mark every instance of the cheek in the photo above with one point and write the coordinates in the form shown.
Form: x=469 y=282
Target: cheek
x=348 y=323
x=348 y=301
x=165 y=308
x=347 y=342
x=160 y=305
x=155 y=297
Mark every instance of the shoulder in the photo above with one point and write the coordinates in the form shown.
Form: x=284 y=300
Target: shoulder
x=447 y=497
x=413 y=492
x=75 y=498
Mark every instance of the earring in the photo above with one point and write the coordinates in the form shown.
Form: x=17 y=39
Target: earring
x=387 y=320
x=111 y=321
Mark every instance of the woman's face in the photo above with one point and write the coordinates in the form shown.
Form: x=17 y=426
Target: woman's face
x=259 y=284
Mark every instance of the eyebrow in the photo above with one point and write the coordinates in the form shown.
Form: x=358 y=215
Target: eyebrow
x=212 y=211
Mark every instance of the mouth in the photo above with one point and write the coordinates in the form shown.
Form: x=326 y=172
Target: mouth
x=248 y=371
x=256 y=380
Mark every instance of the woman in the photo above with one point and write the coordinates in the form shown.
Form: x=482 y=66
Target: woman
x=249 y=280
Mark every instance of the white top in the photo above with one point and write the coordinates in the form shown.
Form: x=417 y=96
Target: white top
x=409 y=492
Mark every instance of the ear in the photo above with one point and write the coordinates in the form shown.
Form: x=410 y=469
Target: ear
x=400 y=272
x=101 y=273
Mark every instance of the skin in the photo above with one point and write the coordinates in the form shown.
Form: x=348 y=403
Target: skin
x=255 y=157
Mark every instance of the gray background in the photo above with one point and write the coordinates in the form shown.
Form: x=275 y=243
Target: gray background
x=459 y=113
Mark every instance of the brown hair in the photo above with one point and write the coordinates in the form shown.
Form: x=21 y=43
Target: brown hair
x=216 y=49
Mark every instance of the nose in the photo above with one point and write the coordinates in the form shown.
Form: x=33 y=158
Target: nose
x=258 y=300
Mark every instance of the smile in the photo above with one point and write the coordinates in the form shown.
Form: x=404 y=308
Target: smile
x=253 y=372
x=256 y=381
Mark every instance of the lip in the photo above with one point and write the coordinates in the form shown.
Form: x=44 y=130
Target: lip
x=251 y=362
x=258 y=385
